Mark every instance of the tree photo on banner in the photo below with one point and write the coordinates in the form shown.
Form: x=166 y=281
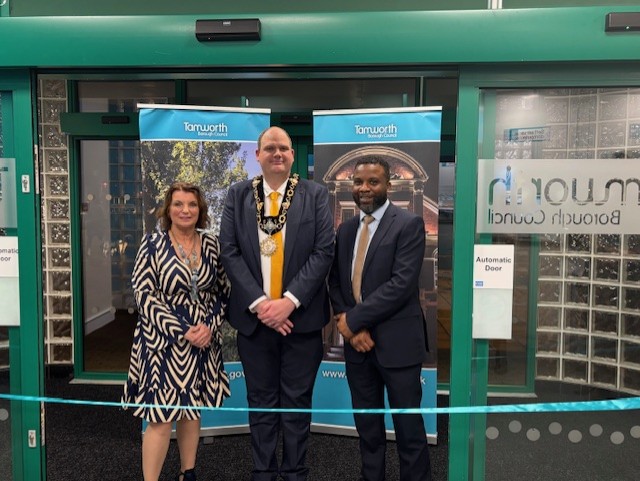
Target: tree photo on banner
x=212 y=165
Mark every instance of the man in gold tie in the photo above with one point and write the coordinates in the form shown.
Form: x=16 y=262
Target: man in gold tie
x=373 y=285
x=277 y=247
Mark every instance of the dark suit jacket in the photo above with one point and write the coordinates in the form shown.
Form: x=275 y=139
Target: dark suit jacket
x=308 y=254
x=390 y=306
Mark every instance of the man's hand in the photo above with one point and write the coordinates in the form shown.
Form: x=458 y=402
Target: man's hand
x=341 y=324
x=274 y=313
x=362 y=341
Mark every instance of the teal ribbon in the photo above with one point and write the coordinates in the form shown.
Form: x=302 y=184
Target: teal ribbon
x=582 y=406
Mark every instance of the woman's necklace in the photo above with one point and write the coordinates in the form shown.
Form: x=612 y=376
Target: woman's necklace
x=192 y=257
x=191 y=260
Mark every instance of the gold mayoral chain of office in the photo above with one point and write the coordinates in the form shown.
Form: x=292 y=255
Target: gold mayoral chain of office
x=272 y=224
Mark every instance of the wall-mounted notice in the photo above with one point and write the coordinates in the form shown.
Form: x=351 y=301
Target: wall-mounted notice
x=8 y=205
x=9 y=282
x=492 y=291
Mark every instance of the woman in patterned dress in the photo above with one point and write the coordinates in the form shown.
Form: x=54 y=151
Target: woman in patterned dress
x=181 y=291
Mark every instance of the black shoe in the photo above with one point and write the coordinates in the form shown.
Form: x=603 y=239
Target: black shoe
x=188 y=475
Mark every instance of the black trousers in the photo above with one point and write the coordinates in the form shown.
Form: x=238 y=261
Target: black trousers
x=280 y=372
x=367 y=382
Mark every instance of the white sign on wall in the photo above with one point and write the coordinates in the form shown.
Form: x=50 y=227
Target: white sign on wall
x=530 y=134
x=9 y=282
x=543 y=196
x=492 y=291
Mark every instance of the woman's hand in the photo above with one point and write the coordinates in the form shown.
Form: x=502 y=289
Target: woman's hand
x=199 y=336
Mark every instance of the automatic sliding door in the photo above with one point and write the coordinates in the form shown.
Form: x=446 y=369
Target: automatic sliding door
x=557 y=180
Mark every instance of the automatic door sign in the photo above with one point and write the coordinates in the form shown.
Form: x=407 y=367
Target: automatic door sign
x=492 y=291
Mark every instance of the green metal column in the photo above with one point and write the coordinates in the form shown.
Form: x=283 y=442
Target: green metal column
x=460 y=454
x=480 y=361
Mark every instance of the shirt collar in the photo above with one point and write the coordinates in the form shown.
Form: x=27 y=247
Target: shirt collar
x=378 y=213
x=280 y=190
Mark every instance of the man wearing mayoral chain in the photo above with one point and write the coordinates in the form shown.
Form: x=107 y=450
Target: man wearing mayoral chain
x=277 y=247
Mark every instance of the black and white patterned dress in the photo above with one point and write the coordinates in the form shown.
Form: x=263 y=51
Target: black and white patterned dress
x=165 y=369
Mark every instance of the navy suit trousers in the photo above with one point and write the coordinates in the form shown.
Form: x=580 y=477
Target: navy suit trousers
x=367 y=381
x=280 y=372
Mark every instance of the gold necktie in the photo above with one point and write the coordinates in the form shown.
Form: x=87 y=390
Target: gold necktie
x=277 y=259
x=356 y=281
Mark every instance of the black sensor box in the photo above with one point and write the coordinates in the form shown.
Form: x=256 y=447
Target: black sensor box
x=226 y=30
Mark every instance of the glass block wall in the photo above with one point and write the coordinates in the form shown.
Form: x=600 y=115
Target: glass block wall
x=588 y=324
x=589 y=310
x=56 y=225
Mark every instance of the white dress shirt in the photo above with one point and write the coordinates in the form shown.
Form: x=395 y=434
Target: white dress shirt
x=265 y=261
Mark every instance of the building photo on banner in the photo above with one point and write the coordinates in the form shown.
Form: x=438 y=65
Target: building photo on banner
x=409 y=140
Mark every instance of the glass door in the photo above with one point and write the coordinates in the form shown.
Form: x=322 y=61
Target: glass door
x=21 y=353
x=558 y=167
x=551 y=184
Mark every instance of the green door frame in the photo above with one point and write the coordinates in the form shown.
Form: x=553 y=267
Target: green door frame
x=467 y=454
x=26 y=341
x=487 y=138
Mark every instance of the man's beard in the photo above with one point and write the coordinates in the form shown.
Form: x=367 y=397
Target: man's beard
x=377 y=201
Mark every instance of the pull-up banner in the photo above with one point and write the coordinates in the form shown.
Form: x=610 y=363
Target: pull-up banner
x=409 y=139
x=212 y=147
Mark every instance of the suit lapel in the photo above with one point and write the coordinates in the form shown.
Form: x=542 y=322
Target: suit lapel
x=293 y=224
x=350 y=231
x=250 y=227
